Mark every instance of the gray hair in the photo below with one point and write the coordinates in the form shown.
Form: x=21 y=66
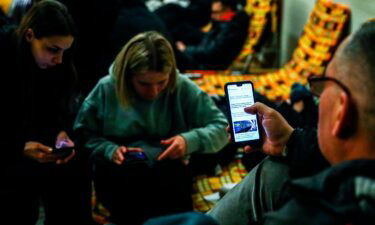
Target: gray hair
x=359 y=69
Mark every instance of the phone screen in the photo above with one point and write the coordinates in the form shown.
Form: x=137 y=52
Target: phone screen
x=135 y=156
x=64 y=151
x=245 y=127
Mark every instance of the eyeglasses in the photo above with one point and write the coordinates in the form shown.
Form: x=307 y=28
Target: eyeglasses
x=317 y=84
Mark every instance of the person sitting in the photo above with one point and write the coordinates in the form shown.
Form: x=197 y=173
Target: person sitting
x=323 y=176
x=316 y=179
x=144 y=108
x=186 y=22
x=220 y=46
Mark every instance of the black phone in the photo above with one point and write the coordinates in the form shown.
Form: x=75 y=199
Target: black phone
x=244 y=126
x=135 y=156
x=63 y=151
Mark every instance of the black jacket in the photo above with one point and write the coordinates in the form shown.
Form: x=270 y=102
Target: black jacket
x=133 y=18
x=219 y=47
x=35 y=102
x=341 y=194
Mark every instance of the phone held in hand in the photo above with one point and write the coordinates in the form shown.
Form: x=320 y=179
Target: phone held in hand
x=63 y=151
x=244 y=126
x=135 y=156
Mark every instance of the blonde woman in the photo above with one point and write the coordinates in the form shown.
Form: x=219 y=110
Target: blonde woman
x=144 y=106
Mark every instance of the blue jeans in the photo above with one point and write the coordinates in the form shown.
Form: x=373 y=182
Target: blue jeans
x=259 y=192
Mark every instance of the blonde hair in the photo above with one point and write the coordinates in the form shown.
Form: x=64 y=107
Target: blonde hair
x=148 y=51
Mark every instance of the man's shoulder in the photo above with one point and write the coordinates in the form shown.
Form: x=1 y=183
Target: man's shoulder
x=341 y=194
x=337 y=175
x=347 y=184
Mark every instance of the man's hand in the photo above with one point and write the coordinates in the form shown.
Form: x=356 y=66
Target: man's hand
x=276 y=129
x=176 y=148
x=118 y=156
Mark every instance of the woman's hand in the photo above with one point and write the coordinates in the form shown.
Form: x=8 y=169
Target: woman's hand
x=119 y=155
x=176 y=148
x=62 y=141
x=39 y=152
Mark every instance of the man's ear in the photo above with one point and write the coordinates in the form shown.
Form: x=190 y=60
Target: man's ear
x=29 y=35
x=346 y=118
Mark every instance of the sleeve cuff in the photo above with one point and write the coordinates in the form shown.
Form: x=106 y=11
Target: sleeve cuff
x=109 y=152
x=291 y=142
x=192 y=141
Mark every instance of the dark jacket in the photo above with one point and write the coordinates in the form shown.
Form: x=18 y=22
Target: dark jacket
x=36 y=107
x=304 y=155
x=35 y=101
x=219 y=47
x=185 y=23
x=133 y=18
x=341 y=194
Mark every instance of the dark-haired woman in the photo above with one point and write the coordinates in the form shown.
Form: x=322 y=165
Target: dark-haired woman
x=37 y=82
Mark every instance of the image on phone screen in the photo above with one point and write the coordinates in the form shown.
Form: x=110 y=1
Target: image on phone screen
x=245 y=127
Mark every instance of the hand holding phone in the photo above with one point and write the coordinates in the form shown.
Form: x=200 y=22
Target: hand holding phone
x=64 y=146
x=244 y=126
x=63 y=151
x=135 y=156
x=277 y=129
x=125 y=155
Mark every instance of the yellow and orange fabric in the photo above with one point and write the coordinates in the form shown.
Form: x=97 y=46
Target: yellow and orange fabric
x=324 y=30
x=205 y=185
x=322 y=34
x=261 y=13
x=5 y=5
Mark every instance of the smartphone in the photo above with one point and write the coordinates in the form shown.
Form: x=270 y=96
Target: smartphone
x=64 y=151
x=244 y=126
x=133 y=156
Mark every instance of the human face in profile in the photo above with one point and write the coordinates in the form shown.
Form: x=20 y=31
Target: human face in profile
x=220 y=12
x=216 y=10
x=48 y=51
x=150 y=84
x=333 y=94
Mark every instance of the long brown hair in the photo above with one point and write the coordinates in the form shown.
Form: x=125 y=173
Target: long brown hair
x=47 y=18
